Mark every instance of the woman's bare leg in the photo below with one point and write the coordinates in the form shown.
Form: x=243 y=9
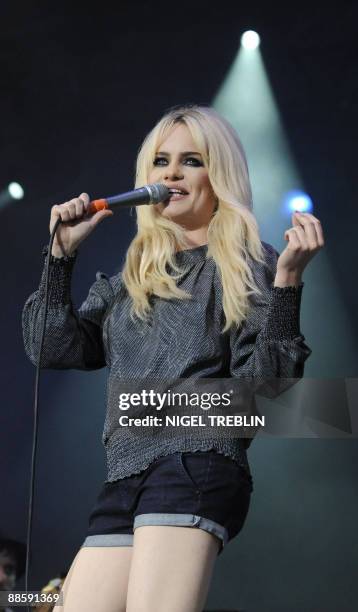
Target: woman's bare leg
x=97 y=580
x=171 y=569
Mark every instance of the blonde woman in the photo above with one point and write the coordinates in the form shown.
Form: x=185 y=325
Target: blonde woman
x=200 y=295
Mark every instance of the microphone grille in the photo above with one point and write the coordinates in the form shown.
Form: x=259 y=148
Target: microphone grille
x=158 y=193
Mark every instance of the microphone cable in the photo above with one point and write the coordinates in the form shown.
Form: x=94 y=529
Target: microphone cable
x=148 y=194
x=36 y=415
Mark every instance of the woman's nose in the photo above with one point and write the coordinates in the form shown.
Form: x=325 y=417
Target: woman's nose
x=172 y=171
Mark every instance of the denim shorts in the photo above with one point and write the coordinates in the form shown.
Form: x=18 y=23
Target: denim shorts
x=202 y=489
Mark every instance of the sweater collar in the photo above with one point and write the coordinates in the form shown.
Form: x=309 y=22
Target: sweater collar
x=192 y=255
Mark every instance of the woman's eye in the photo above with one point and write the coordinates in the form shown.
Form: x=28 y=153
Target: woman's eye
x=196 y=161
x=158 y=160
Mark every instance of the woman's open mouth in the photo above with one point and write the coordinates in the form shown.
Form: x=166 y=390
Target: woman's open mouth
x=176 y=194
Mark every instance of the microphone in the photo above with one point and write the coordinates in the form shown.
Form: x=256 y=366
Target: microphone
x=149 y=194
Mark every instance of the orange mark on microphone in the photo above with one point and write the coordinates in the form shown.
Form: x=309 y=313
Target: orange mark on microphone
x=96 y=205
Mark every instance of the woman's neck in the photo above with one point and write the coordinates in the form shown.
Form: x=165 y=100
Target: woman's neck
x=195 y=238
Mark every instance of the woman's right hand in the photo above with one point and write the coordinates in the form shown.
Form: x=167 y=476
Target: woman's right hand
x=77 y=224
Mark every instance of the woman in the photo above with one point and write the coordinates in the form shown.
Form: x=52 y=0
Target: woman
x=200 y=296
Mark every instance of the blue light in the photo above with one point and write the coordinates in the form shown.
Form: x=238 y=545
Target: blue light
x=297 y=201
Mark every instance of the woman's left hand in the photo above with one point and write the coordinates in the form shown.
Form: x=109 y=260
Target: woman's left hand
x=305 y=239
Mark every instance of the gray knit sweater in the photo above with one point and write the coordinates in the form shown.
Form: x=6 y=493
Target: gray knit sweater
x=182 y=339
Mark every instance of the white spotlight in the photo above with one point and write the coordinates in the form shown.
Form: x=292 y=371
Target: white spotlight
x=16 y=191
x=250 y=40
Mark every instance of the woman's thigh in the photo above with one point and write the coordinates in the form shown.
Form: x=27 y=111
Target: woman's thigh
x=171 y=569
x=97 y=580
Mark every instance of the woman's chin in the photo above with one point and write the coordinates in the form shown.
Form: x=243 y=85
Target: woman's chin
x=173 y=212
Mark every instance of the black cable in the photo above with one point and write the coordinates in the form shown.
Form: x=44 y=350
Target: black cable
x=36 y=417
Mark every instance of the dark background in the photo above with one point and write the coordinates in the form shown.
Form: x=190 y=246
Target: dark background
x=80 y=89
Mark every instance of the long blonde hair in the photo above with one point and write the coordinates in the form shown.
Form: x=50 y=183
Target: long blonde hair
x=233 y=234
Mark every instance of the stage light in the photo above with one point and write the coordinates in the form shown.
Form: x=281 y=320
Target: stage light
x=245 y=97
x=16 y=191
x=250 y=40
x=298 y=201
x=12 y=192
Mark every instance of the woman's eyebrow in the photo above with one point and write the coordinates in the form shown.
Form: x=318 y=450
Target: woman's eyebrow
x=183 y=153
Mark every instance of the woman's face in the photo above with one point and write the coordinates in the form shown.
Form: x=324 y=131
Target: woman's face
x=180 y=166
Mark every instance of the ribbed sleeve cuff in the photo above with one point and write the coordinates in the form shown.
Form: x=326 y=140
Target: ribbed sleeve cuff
x=283 y=318
x=60 y=275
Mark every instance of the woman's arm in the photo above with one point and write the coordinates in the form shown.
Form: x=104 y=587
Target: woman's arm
x=269 y=348
x=73 y=339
